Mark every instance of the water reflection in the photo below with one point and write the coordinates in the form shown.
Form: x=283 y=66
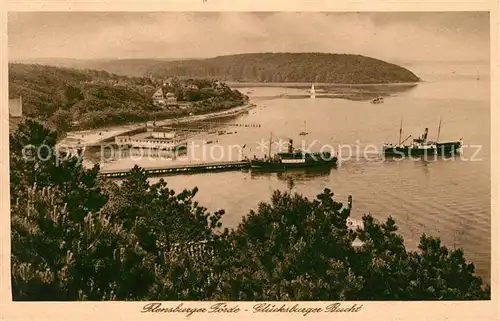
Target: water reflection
x=336 y=91
x=292 y=176
x=304 y=174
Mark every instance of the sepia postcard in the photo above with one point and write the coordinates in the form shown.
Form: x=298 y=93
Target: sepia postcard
x=210 y=159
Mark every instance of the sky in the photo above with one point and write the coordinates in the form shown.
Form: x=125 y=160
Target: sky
x=396 y=36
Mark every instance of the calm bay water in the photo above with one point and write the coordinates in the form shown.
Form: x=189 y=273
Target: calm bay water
x=445 y=198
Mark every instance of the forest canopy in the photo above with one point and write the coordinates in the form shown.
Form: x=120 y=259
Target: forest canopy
x=261 y=67
x=289 y=67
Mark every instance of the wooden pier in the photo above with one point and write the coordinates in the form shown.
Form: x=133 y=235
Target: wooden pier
x=183 y=169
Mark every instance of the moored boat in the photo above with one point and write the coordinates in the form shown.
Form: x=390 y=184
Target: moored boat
x=293 y=158
x=421 y=146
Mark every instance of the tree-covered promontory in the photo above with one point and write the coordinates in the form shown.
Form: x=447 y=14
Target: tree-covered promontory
x=289 y=67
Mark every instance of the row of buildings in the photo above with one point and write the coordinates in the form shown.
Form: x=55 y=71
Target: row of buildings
x=162 y=97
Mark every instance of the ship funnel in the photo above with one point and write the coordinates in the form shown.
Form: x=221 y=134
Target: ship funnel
x=425 y=133
x=290 y=145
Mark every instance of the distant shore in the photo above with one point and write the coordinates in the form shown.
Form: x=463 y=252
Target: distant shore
x=308 y=85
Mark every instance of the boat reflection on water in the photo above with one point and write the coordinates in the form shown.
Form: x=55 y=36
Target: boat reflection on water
x=292 y=175
x=304 y=174
x=421 y=160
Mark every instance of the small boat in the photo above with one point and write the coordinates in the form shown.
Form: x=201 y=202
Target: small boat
x=378 y=100
x=304 y=133
x=421 y=146
x=292 y=159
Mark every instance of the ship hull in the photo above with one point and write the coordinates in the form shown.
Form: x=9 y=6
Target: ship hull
x=276 y=166
x=441 y=149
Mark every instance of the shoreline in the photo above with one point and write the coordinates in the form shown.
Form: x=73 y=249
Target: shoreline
x=308 y=84
x=97 y=135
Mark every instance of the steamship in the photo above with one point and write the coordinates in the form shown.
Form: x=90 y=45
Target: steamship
x=293 y=158
x=421 y=146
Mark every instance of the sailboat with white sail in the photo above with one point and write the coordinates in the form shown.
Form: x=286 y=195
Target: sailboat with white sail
x=313 y=91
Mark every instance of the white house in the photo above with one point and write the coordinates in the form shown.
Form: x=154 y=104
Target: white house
x=163 y=135
x=162 y=99
x=171 y=100
x=159 y=97
x=16 y=107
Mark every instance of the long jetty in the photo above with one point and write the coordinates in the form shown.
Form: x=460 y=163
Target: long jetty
x=182 y=169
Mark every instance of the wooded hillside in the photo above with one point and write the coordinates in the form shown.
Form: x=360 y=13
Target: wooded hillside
x=258 y=67
x=289 y=67
x=90 y=98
